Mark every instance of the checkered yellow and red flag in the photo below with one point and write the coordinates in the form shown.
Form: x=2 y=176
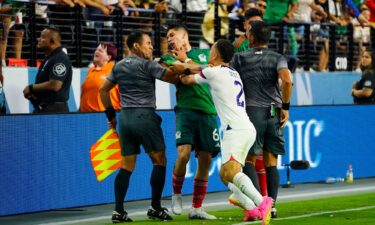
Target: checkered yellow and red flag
x=105 y=155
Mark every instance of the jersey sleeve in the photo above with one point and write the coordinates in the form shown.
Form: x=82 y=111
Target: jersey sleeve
x=154 y=69
x=204 y=76
x=60 y=69
x=282 y=63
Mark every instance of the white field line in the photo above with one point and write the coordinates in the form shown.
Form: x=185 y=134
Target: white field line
x=213 y=204
x=313 y=214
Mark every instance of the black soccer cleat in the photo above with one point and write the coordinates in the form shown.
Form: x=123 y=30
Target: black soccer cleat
x=120 y=217
x=158 y=214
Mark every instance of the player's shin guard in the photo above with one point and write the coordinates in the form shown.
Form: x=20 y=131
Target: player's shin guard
x=244 y=183
x=157 y=181
x=199 y=193
x=121 y=187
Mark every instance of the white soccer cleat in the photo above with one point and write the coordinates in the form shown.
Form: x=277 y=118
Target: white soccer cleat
x=177 y=204
x=234 y=201
x=200 y=214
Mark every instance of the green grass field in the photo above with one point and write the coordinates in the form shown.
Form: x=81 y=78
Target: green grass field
x=346 y=210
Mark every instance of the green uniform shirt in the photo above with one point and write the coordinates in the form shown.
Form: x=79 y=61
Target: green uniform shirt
x=276 y=10
x=196 y=97
x=243 y=47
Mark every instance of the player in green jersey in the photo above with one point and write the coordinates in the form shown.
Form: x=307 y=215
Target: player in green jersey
x=196 y=127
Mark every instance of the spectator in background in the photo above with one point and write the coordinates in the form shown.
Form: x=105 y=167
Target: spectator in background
x=241 y=44
x=304 y=12
x=278 y=11
x=371 y=5
x=363 y=90
x=10 y=10
x=50 y=92
x=261 y=5
x=148 y=17
x=103 y=62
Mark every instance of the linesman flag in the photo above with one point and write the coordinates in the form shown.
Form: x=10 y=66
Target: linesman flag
x=105 y=155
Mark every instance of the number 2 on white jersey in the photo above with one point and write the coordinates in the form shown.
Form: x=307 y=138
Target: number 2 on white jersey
x=240 y=101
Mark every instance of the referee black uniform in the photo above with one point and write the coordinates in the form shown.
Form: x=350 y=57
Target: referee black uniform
x=260 y=70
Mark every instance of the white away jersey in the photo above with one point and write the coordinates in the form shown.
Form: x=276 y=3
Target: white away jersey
x=227 y=93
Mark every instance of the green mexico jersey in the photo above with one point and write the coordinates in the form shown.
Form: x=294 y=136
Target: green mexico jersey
x=243 y=46
x=197 y=96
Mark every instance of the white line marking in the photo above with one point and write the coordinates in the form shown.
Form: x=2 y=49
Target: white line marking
x=313 y=214
x=213 y=204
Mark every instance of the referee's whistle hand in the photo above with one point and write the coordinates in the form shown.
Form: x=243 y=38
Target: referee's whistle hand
x=284 y=117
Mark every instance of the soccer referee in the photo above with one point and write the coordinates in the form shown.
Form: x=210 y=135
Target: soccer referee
x=139 y=124
x=268 y=109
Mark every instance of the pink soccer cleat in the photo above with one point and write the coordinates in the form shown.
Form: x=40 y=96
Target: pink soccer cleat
x=265 y=210
x=252 y=215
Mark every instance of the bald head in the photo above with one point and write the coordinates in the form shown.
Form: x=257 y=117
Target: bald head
x=49 y=39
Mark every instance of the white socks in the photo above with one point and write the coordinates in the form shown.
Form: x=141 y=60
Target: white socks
x=245 y=201
x=243 y=182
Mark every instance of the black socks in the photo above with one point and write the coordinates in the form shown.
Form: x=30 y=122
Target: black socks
x=250 y=171
x=157 y=181
x=121 y=187
x=273 y=181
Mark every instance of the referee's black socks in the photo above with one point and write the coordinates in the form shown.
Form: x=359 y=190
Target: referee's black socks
x=273 y=180
x=157 y=181
x=121 y=187
x=250 y=171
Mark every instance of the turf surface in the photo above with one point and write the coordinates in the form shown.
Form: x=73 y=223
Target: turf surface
x=345 y=210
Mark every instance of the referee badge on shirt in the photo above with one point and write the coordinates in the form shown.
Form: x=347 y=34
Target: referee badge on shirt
x=59 y=69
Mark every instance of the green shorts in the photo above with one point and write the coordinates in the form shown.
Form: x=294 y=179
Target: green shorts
x=140 y=126
x=270 y=136
x=198 y=129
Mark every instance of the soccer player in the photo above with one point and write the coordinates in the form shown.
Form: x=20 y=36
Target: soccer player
x=239 y=133
x=139 y=124
x=241 y=44
x=196 y=127
x=260 y=70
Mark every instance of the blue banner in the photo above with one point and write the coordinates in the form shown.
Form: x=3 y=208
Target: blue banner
x=45 y=161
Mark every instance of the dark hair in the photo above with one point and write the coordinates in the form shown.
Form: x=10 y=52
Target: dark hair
x=55 y=33
x=252 y=12
x=225 y=49
x=371 y=68
x=135 y=37
x=111 y=49
x=178 y=27
x=261 y=32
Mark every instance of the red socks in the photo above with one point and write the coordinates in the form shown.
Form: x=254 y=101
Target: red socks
x=200 y=190
x=177 y=182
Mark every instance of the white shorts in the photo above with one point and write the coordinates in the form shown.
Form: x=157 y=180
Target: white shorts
x=236 y=144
